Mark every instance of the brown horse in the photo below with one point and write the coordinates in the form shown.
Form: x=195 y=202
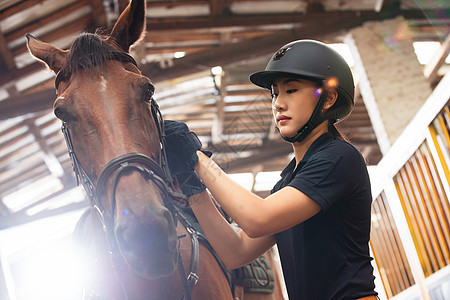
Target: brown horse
x=133 y=234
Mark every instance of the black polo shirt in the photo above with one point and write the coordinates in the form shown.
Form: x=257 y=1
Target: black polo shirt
x=327 y=257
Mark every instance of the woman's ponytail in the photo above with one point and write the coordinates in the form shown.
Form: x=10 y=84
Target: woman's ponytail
x=337 y=133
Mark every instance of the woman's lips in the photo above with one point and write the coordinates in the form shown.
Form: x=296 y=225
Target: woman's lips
x=282 y=119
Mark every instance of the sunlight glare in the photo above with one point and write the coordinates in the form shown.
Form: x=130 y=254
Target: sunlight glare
x=42 y=259
x=53 y=273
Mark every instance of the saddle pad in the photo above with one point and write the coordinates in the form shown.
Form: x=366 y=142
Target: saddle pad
x=256 y=277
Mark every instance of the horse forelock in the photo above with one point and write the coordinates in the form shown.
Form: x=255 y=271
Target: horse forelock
x=88 y=51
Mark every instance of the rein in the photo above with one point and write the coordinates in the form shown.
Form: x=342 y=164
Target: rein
x=157 y=172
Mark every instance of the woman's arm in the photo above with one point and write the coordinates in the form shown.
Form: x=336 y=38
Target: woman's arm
x=234 y=248
x=256 y=216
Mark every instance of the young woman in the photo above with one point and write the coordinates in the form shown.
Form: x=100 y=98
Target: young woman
x=318 y=214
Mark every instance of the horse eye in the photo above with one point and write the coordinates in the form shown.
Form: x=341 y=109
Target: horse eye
x=149 y=91
x=59 y=113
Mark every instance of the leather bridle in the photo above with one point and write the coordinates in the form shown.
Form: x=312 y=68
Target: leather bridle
x=157 y=172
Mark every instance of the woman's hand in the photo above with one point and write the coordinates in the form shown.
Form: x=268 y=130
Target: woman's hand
x=182 y=146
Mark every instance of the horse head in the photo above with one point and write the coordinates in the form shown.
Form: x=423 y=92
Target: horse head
x=103 y=102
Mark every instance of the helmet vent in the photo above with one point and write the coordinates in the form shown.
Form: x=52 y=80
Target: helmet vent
x=280 y=53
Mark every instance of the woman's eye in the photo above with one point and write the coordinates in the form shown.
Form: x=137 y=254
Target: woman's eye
x=291 y=91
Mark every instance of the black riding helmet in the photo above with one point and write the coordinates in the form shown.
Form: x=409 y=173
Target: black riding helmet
x=312 y=60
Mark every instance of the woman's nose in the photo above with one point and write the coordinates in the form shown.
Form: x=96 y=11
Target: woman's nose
x=278 y=104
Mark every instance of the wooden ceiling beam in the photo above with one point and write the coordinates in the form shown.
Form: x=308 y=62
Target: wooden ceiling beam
x=71 y=29
x=217 y=7
x=226 y=54
x=171 y=3
x=175 y=23
x=68 y=182
x=15 y=140
x=314 y=6
x=179 y=36
x=20 y=32
x=431 y=69
x=384 y=5
x=26 y=104
x=50 y=159
x=231 y=53
x=17 y=8
x=22 y=168
x=273 y=150
x=23 y=218
x=195 y=62
x=98 y=13
x=6 y=56
x=212 y=32
x=14 y=75
x=33 y=173
x=17 y=155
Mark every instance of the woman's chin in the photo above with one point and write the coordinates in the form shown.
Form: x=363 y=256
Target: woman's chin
x=288 y=133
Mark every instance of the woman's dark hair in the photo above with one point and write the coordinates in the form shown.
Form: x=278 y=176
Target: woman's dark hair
x=337 y=133
x=332 y=125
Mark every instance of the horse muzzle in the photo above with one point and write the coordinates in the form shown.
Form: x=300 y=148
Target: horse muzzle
x=148 y=243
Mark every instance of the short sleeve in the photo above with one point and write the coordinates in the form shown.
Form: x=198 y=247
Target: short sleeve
x=327 y=177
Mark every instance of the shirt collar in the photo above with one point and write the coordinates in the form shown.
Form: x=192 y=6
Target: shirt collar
x=311 y=150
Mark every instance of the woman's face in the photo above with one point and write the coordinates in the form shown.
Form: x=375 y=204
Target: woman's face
x=293 y=102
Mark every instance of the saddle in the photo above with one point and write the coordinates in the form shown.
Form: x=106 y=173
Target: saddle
x=256 y=277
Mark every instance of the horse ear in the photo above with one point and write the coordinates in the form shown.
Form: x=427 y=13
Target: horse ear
x=130 y=26
x=53 y=57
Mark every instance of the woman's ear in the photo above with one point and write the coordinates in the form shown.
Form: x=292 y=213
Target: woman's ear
x=332 y=96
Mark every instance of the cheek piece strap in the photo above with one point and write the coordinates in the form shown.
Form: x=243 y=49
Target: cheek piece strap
x=316 y=118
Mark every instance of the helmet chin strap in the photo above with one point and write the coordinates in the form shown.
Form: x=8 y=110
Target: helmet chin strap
x=315 y=119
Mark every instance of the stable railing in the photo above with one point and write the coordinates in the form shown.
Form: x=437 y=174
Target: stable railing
x=410 y=237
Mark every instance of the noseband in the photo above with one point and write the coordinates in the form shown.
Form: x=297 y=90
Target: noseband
x=157 y=172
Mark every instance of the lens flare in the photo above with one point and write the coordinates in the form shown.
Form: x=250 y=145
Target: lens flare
x=331 y=82
x=125 y=212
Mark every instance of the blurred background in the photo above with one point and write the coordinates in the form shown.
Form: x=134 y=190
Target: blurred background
x=199 y=54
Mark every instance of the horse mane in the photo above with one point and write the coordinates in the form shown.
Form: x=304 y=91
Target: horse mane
x=87 y=52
